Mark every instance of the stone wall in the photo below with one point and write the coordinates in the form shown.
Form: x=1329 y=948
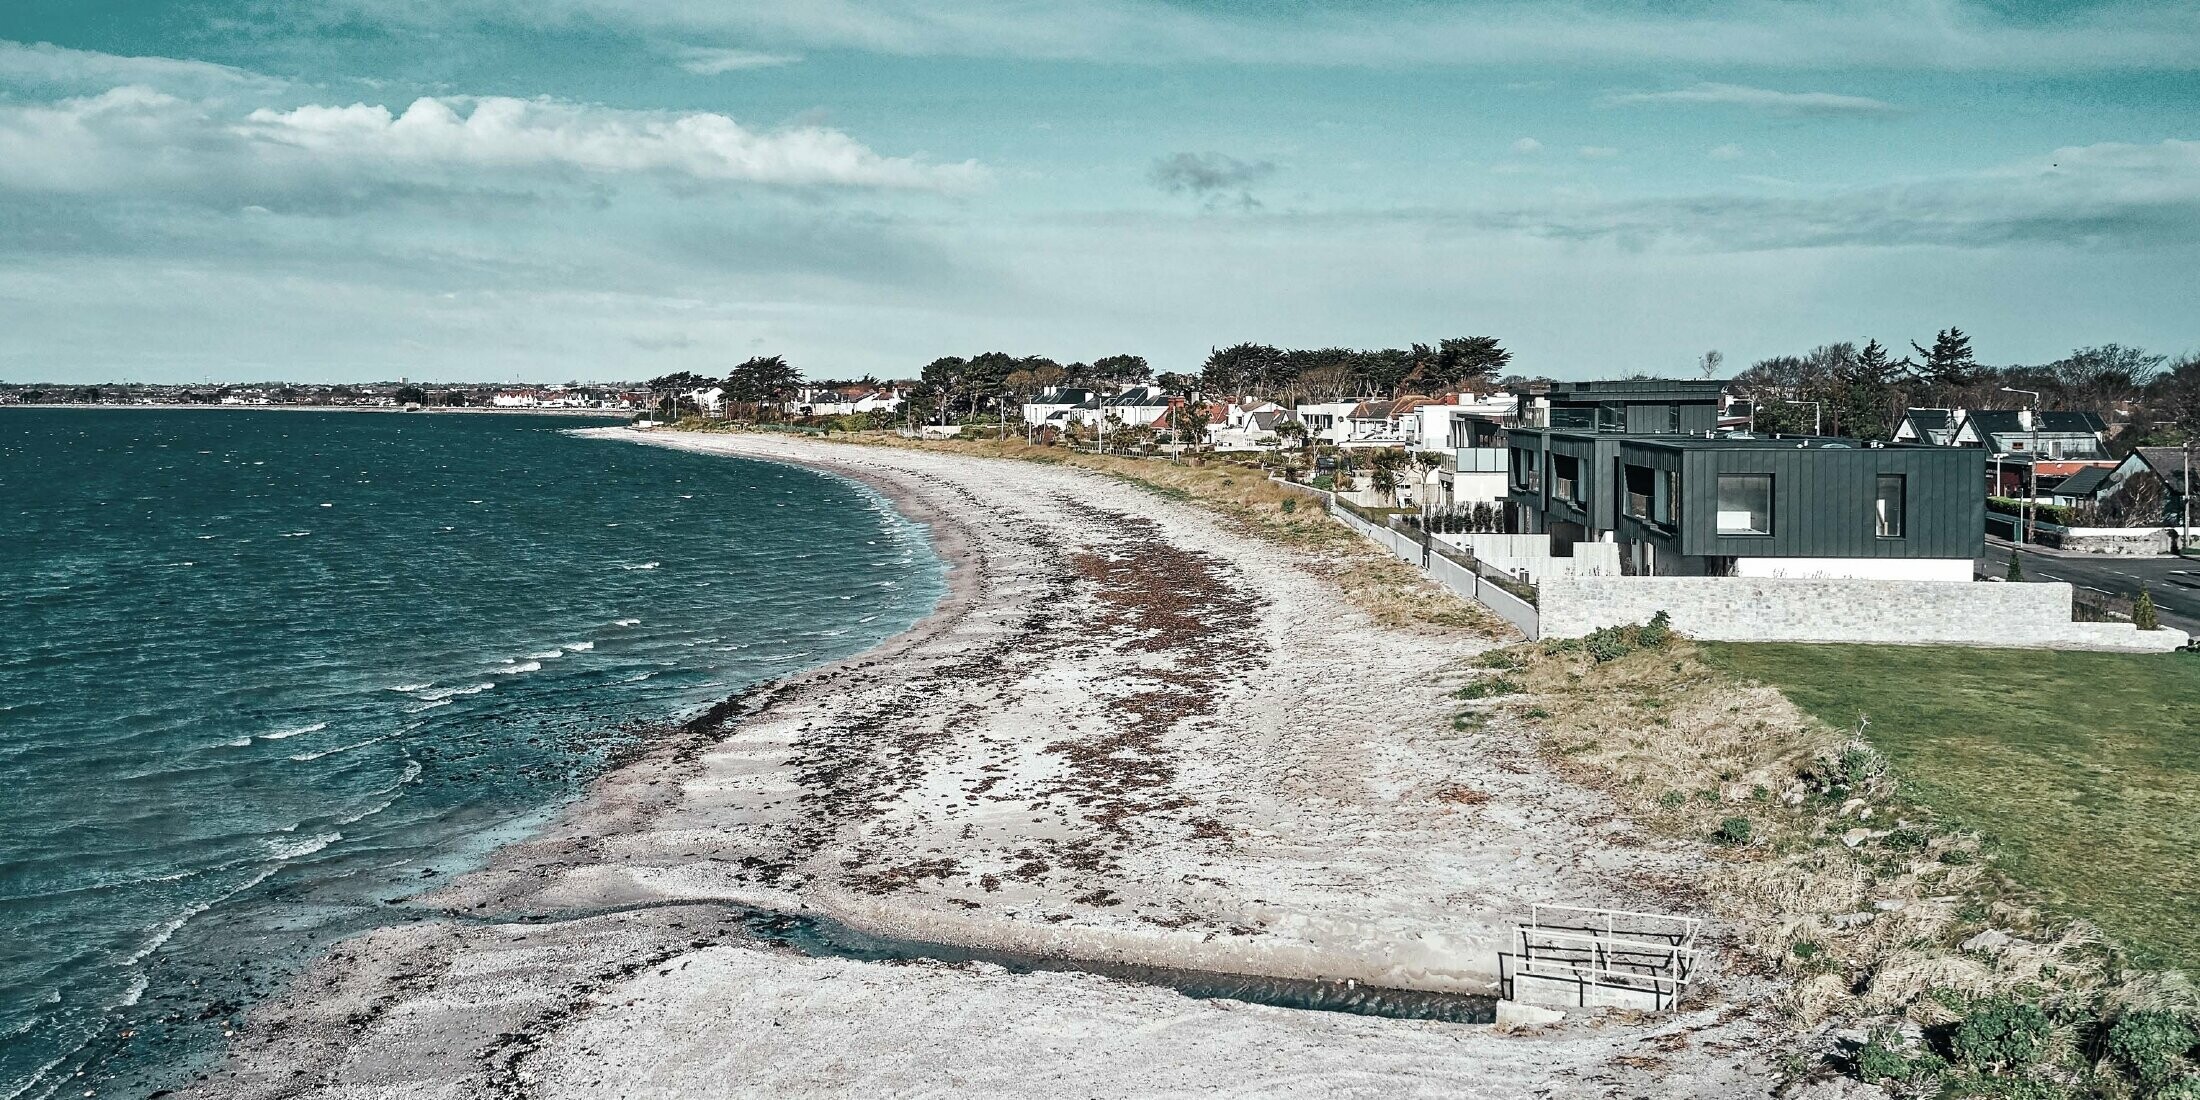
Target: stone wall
x=1742 y=609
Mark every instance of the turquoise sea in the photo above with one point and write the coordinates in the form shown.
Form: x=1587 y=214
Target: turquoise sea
x=261 y=673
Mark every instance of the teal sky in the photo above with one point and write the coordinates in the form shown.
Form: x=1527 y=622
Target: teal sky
x=491 y=189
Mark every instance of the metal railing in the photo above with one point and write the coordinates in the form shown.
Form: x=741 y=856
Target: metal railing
x=1651 y=953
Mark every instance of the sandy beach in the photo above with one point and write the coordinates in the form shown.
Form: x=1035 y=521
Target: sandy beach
x=1128 y=735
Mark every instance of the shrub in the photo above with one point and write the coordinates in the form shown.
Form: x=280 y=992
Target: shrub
x=2000 y=1033
x=1658 y=632
x=1290 y=505
x=2149 y=1044
x=1733 y=832
x=2142 y=611
x=2016 y=568
x=2184 y=1088
x=1672 y=800
x=1881 y=1060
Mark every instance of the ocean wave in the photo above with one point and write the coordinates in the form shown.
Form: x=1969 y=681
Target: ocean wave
x=279 y=735
x=626 y=622
x=422 y=708
x=547 y=655
x=644 y=565
x=578 y=647
x=437 y=694
x=410 y=688
x=510 y=668
x=303 y=757
x=296 y=534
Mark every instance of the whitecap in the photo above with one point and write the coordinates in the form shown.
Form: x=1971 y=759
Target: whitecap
x=445 y=693
x=281 y=734
x=427 y=706
x=412 y=687
x=627 y=622
x=578 y=647
x=306 y=756
x=296 y=534
x=512 y=669
x=644 y=565
x=547 y=655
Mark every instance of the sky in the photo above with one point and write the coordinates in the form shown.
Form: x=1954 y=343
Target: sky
x=494 y=190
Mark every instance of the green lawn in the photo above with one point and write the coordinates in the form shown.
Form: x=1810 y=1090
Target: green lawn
x=2082 y=769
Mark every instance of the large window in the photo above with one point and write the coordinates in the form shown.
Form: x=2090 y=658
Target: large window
x=1641 y=490
x=1745 y=504
x=1888 y=505
x=1566 y=478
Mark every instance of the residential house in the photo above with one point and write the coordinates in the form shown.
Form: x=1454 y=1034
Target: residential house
x=1133 y=407
x=1051 y=408
x=2148 y=488
x=1247 y=423
x=1934 y=427
x=1753 y=506
x=1638 y=406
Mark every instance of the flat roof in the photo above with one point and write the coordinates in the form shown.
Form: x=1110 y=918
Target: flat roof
x=1699 y=389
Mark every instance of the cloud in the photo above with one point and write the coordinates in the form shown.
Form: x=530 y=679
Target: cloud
x=1213 y=178
x=716 y=61
x=1527 y=145
x=1598 y=152
x=1949 y=35
x=43 y=65
x=138 y=141
x=2109 y=195
x=1817 y=104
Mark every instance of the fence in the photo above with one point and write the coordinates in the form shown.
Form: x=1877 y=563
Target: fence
x=1623 y=955
x=1456 y=570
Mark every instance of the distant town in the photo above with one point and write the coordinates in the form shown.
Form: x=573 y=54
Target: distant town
x=598 y=396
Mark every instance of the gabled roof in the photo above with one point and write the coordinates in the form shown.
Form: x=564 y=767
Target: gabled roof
x=2011 y=422
x=2085 y=482
x=2167 y=462
x=1930 y=420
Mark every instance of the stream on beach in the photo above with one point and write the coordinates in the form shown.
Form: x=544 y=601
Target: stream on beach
x=264 y=673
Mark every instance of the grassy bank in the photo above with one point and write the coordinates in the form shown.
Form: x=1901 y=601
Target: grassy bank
x=2082 y=770
x=1391 y=591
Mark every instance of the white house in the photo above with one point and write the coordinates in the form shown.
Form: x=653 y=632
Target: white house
x=1245 y=424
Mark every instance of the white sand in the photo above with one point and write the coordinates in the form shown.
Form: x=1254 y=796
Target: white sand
x=1131 y=734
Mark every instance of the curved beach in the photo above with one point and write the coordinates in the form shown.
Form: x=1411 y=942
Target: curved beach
x=1129 y=734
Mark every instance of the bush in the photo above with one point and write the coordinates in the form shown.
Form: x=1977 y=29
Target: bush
x=2000 y=1033
x=2184 y=1088
x=2016 y=568
x=1658 y=632
x=2150 y=1044
x=2142 y=611
x=1881 y=1060
x=1733 y=832
x=1290 y=505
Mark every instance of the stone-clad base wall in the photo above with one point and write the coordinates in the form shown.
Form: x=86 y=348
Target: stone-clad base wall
x=1740 y=609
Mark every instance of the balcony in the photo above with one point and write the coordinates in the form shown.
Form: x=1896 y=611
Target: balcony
x=1481 y=460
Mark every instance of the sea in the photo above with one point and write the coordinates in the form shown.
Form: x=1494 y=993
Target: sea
x=263 y=674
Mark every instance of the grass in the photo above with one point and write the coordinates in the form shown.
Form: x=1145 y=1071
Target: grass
x=2081 y=769
x=1392 y=592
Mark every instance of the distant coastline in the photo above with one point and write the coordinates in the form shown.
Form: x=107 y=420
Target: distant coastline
x=180 y=406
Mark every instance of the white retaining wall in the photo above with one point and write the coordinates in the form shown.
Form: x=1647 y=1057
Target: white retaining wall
x=1532 y=553
x=1452 y=575
x=1743 y=609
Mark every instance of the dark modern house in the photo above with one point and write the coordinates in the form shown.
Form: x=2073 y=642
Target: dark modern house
x=1701 y=503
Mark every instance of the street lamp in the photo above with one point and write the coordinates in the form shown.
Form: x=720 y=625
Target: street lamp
x=2032 y=463
x=1817 y=421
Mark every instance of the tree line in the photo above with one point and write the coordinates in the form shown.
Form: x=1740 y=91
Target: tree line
x=1863 y=392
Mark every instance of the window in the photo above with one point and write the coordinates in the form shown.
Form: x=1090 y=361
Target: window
x=1669 y=497
x=1641 y=488
x=1523 y=465
x=1888 y=506
x=1745 y=504
x=1566 y=478
x=1573 y=416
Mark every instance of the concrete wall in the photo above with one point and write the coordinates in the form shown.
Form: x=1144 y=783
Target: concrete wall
x=1877 y=569
x=1532 y=553
x=1451 y=574
x=1740 y=609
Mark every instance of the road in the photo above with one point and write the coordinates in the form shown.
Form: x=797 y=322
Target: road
x=2175 y=582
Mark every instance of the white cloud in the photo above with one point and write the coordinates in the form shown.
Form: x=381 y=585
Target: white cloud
x=46 y=65
x=137 y=140
x=1527 y=145
x=497 y=132
x=1832 y=34
x=1826 y=104
x=1728 y=151
x=717 y=61
x=1598 y=152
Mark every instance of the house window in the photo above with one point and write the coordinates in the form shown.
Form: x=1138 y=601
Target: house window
x=1641 y=489
x=1745 y=504
x=1566 y=478
x=1888 y=505
x=1573 y=416
x=1523 y=464
x=1669 y=497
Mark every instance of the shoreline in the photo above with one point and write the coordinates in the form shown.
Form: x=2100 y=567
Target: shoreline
x=592 y=414
x=1158 y=797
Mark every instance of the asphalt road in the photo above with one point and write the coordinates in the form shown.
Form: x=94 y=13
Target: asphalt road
x=2175 y=582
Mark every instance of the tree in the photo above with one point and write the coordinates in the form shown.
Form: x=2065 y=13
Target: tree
x=410 y=395
x=1188 y=421
x=1384 y=468
x=1465 y=360
x=1868 y=399
x=1710 y=363
x=1121 y=370
x=762 y=382
x=1949 y=367
x=1240 y=368
x=1177 y=384
x=2142 y=611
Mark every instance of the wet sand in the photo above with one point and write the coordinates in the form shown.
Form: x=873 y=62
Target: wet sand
x=1127 y=734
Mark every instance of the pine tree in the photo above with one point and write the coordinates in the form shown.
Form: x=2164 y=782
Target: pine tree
x=1950 y=364
x=2142 y=611
x=2016 y=567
